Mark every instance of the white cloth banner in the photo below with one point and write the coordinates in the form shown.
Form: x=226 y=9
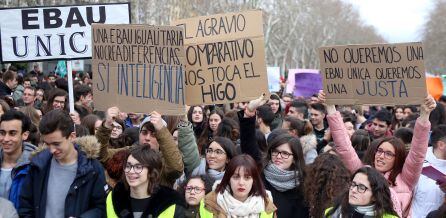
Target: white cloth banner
x=54 y=32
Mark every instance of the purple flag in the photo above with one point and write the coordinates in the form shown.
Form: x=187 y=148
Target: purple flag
x=307 y=84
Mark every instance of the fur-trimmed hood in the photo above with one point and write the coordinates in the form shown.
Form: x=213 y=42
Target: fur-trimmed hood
x=89 y=145
x=308 y=142
x=88 y=150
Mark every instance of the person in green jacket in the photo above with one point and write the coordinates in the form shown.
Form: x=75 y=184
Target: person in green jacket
x=368 y=196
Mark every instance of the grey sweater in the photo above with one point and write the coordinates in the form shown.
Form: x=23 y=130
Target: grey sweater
x=7 y=209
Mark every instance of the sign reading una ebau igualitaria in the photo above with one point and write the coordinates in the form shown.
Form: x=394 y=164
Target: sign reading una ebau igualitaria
x=138 y=68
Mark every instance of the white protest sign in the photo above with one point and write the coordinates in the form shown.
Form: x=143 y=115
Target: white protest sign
x=273 y=78
x=54 y=32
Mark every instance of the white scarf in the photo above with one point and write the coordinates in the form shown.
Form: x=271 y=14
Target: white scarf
x=252 y=206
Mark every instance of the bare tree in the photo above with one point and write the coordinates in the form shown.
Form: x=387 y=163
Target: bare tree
x=434 y=42
x=294 y=29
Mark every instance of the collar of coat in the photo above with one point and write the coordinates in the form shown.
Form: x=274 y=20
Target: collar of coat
x=162 y=198
x=88 y=149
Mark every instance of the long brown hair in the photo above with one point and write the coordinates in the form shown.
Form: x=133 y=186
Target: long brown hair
x=400 y=155
x=302 y=127
x=380 y=190
x=52 y=95
x=207 y=134
x=250 y=168
x=31 y=112
x=328 y=178
x=89 y=121
x=276 y=139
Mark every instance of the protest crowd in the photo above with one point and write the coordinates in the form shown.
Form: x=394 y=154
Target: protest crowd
x=275 y=156
x=180 y=121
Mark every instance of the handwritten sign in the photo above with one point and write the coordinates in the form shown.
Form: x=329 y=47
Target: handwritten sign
x=379 y=74
x=138 y=68
x=225 y=58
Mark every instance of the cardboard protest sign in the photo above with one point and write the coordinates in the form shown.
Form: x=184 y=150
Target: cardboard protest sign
x=138 y=68
x=307 y=84
x=54 y=32
x=225 y=58
x=273 y=78
x=377 y=74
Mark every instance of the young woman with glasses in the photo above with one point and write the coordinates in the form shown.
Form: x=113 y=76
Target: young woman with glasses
x=194 y=190
x=240 y=193
x=368 y=196
x=140 y=194
x=282 y=170
x=218 y=153
x=389 y=155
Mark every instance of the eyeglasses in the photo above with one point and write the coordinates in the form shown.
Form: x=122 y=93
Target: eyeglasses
x=216 y=151
x=387 y=154
x=59 y=102
x=196 y=189
x=359 y=187
x=283 y=154
x=137 y=168
x=117 y=127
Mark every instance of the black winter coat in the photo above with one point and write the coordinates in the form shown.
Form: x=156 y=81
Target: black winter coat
x=290 y=203
x=86 y=196
x=4 y=90
x=160 y=200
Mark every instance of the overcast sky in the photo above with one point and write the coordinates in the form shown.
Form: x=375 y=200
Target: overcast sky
x=395 y=20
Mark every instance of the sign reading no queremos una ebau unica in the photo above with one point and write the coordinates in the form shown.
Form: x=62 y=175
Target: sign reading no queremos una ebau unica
x=138 y=68
x=378 y=74
x=54 y=32
x=225 y=58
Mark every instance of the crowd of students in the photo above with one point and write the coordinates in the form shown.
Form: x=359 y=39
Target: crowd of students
x=275 y=156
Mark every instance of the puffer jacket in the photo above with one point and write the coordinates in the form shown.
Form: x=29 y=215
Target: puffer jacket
x=406 y=181
x=86 y=195
x=188 y=147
